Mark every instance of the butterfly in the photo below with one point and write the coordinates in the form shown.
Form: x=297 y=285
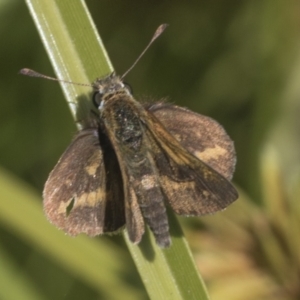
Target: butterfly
x=133 y=160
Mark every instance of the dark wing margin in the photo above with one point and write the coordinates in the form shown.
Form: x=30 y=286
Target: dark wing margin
x=191 y=186
x=76 y=195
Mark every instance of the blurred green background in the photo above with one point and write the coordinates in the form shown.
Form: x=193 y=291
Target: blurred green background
x=236 y=61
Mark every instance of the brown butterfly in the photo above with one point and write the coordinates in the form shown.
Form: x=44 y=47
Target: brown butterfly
x=133 y=160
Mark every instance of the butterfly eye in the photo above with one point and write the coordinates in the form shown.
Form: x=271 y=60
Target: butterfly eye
x=97 y=97
x=128 y=87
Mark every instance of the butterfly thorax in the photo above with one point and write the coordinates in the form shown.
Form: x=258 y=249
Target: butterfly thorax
x=121 y=117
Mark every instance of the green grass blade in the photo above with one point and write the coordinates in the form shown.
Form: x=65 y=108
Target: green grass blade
x=170 y=273
x=77 y=54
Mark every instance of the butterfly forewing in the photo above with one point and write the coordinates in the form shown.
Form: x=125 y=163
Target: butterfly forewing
x=191 y=186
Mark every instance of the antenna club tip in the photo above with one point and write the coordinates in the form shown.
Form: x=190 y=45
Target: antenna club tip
x=24 y=71
x=29 y=72
x=157 y=33
x=161 y=28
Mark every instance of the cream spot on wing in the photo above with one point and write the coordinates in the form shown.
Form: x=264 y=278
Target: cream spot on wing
x=91 y=198
x=85 y=200
x=173 y=187
x=205 y=193
x=93 y=164
x=210 y=153
x=92 y=169
x=63 y=207
x=177 y=137
x=68 y=182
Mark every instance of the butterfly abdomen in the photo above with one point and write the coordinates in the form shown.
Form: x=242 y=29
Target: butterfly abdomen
x=151 y=202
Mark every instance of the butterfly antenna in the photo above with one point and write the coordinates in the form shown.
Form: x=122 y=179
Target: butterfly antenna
x=157 y=33
x=31 y=73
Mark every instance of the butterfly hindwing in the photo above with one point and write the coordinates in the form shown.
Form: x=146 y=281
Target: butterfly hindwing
x=77 y=195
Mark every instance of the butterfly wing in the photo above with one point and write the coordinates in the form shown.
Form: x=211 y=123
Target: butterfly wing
x=191 y=186
x=200 y=135
x=77 y=195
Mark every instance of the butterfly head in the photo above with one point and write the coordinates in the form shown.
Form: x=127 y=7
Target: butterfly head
x=108 y=86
